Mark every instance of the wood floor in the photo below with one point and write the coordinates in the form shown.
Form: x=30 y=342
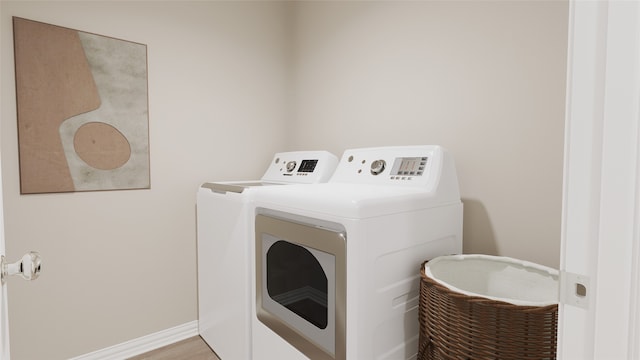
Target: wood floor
x=190 y=349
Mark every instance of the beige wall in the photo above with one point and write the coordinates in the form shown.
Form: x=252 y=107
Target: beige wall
x=229 y=80
x=484 y=79
x=119 y=265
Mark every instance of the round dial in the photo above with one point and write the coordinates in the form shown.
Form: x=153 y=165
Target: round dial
x=291 y=165
x=378 y=167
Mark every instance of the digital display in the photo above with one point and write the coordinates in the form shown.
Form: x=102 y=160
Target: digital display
x=409 y=166
x=307 y=166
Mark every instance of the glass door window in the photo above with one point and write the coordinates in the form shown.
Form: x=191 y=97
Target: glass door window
x=295 y=280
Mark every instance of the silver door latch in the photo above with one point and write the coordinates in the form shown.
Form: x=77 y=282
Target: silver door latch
x=28 y=267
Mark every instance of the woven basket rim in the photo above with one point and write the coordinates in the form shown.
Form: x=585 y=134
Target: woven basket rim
x=424 y=272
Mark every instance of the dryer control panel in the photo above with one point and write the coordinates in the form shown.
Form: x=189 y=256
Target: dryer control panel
x=411 y=166
x=301 y=167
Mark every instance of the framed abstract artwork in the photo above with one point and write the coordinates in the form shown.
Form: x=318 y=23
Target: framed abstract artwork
x=82 y=105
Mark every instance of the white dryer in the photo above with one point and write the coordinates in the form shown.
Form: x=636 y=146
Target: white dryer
x=224 y=240
x=337 y=264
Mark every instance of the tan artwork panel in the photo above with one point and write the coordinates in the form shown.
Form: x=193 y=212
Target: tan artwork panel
x=82 y=110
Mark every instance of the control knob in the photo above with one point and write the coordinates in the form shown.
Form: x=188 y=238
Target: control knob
x=378 y=167
x=291 y=165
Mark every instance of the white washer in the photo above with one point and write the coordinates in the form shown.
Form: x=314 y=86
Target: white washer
x=337 y=264
x=223 y=221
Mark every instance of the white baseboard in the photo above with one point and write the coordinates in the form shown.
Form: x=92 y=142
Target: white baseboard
x=143 y=344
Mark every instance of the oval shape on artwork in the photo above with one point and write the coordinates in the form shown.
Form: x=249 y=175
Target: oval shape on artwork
x=101 y=146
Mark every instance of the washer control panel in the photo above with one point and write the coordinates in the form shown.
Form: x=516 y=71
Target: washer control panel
x=399 y=165
x=304 y=167
x=409 y=166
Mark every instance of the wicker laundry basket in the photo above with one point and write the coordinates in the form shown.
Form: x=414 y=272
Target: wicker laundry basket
x=487 y=307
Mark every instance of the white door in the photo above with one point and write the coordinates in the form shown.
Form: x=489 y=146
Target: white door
x=28 y=267
x=599 y=314
x=4 y=321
